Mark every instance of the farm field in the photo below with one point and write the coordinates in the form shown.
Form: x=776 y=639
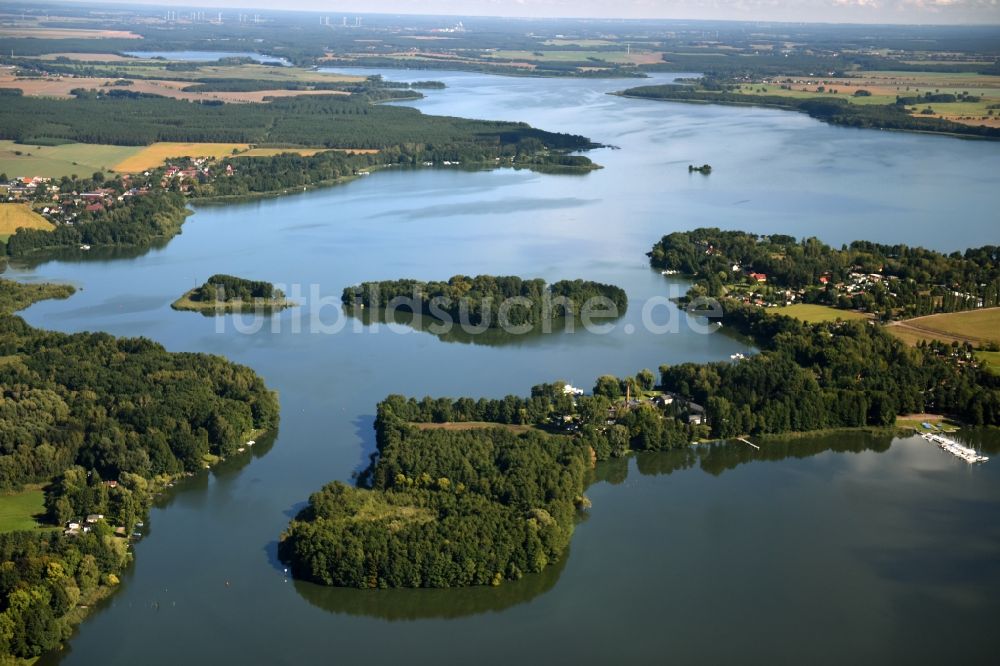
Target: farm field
x=14 y=216
x=150 y=157
x=18 y=510
x=582 y=43
x=62 y=87
x=991 y=359
x=818 y=313
x=885 y=86
x=973 y=326
x=82 y=159
x=157 y=68
x=65 y=33
x=305 y=152
x=270 y=152
x=617 y=57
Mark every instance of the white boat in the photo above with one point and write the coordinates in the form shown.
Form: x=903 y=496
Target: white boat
x=966 y=453
x=84 y=247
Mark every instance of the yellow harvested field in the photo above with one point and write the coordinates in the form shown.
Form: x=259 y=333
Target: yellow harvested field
x=65 y=33
x=973 y=326
x=155 y=155
x=259 y=95
x=305 y=152
x=60 y=86
x=15 y=216
x=270 y=152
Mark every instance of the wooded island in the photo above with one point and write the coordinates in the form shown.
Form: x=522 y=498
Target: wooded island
x=227 y=293
x=489 y=300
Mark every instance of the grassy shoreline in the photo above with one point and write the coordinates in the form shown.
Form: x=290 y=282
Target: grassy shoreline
x=186 y=304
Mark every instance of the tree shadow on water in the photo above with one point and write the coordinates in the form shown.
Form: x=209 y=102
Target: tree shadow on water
x=364 y=430
x=421 y=604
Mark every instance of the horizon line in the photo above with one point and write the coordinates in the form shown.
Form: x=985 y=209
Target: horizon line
x=138 y=5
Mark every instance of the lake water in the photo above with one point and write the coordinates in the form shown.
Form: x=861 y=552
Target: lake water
x=848 y=547
x=207 y=56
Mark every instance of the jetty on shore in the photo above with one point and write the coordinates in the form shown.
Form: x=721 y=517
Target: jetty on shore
x=966 y=453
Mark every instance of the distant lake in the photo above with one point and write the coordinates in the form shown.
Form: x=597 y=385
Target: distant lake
x=832 y=549
x=206 y=56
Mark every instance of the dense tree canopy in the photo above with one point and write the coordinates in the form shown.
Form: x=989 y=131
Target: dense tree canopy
x=106 y=421
x=446 y=508
x=137 y=223
x=491 y=301
x=332 y=121
x=910 y=281
x=226 y=288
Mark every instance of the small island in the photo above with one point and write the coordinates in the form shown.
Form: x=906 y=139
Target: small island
x=226 y=293
x=703 y=169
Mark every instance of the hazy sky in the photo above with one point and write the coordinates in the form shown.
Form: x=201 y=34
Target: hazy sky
x=840 y=11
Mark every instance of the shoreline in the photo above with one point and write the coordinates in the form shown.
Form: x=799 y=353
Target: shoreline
x=780 y=107
x=216 y=308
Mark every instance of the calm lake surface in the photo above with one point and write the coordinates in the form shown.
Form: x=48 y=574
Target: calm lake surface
x=821 y=549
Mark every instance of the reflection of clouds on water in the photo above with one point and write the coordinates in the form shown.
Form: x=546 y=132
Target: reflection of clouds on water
x=518 y=205
x=118 y=305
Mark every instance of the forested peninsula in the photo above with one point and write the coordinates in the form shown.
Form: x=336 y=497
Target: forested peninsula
x=887 y=281
x=474 y=492
x=228 y=293
x=490 y=301
x=139 y=221
x=833 y=111
x=102 y=424
x=319 y=140
x=328 y=121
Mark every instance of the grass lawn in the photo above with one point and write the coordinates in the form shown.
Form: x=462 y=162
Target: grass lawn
x=917 y=421
x=81 y=159
x=14 y=216
x=974 y=326
x=18 y=510
x=155 y=155
x=815 y=314
x=991 y=360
